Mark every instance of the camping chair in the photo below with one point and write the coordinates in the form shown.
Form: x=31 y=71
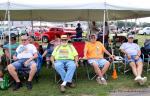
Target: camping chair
x=146 y=58
x=24 y=71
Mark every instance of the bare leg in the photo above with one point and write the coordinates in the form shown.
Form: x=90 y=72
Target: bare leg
x=33 y=70
x=97 y=70
x=139 y=68
x=12 y=72
x=134 y=69
x=105 y=68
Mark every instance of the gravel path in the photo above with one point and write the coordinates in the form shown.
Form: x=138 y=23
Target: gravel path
x=133 y=92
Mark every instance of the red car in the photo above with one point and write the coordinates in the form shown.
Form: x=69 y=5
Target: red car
x=50 y=35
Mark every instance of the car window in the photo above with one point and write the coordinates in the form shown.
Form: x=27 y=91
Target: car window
x=59 y=29
x=52 y=29
x=148 y=28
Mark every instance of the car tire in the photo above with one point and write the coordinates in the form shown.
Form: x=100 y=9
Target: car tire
x=144 y=33
x=45 y=39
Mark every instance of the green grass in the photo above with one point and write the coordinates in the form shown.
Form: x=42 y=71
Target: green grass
x=141 y=39
x=47 y=87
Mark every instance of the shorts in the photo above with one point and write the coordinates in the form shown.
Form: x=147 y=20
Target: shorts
x=20 y=63
x=100 y=62
x=133 y=59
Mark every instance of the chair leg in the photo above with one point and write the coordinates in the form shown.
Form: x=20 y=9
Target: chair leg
x=148 y=69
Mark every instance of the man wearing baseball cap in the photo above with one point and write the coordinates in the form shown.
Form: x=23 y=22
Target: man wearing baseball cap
x=94 y=52
x=132 y=55
x=65 y=56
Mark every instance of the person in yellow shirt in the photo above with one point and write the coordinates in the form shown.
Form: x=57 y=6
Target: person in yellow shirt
x=93 y=52
x=65 y=56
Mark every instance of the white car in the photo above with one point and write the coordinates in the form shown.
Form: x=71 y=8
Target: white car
x=12 y=31
x=145 y=31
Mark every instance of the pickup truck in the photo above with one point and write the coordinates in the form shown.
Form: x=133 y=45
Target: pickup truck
x=50 y=35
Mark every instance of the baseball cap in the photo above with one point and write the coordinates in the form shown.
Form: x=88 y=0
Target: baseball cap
x=130 y=36
x=64 y=37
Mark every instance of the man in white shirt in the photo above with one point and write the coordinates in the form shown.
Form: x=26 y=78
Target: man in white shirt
x=25 y=55
x=132 y=55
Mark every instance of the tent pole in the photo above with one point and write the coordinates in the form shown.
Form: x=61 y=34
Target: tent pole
x=9 y=29
x=104 y=19
x=89 y=27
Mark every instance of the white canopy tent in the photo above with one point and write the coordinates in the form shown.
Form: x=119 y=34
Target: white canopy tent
x=70 y=10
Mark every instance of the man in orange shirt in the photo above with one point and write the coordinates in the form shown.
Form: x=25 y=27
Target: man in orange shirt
x=93 y=52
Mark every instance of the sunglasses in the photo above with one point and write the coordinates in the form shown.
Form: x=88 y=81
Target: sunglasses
x=63 y=39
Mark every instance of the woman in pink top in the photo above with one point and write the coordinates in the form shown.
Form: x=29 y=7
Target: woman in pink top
x=51 y=45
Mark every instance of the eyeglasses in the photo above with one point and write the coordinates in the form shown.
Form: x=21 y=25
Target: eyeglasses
x=24 y=40
x=93 y=37
x=63 y=39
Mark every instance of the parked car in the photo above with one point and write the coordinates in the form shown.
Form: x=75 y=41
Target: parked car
x=12 y=31
x=145 y=31
x=50 y=35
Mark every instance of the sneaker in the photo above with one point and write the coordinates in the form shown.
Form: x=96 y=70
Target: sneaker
x=143 y=80
x=17 y=86
x=98 y=80
x=71 y=85
x=62 y=88
x=29 y=85
x=138 y=79
x=104 y=82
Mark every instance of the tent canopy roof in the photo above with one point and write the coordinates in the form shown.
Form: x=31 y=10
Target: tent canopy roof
x=68 y=10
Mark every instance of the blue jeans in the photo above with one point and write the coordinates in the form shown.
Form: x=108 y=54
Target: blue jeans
x=66 y=75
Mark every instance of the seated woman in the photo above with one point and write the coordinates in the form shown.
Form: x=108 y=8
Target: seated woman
x=133 y=52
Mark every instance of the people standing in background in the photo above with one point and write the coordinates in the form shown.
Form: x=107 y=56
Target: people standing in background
x=94 y=28
x=79 y=31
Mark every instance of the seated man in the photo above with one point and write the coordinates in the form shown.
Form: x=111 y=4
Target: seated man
x=93 y=51
x=65 y=56
x=25 y=55
x=132 y=52
x=13 y=45
x=6 y=56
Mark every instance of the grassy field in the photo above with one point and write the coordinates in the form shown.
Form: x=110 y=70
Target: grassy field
x=141 y=39
x=47 y=87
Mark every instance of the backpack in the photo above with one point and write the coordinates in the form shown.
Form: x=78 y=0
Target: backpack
x=4 y=85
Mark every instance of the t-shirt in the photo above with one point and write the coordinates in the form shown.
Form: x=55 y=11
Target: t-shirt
x=13 y=48
x=26 y=51
x=64 y=52
x=130 y=48
x=94 y=50
x=36 y=45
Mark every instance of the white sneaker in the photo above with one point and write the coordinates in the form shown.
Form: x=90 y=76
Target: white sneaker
x=143 y=80
x=104 y=82
x=138 y=78
x=99 y=80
